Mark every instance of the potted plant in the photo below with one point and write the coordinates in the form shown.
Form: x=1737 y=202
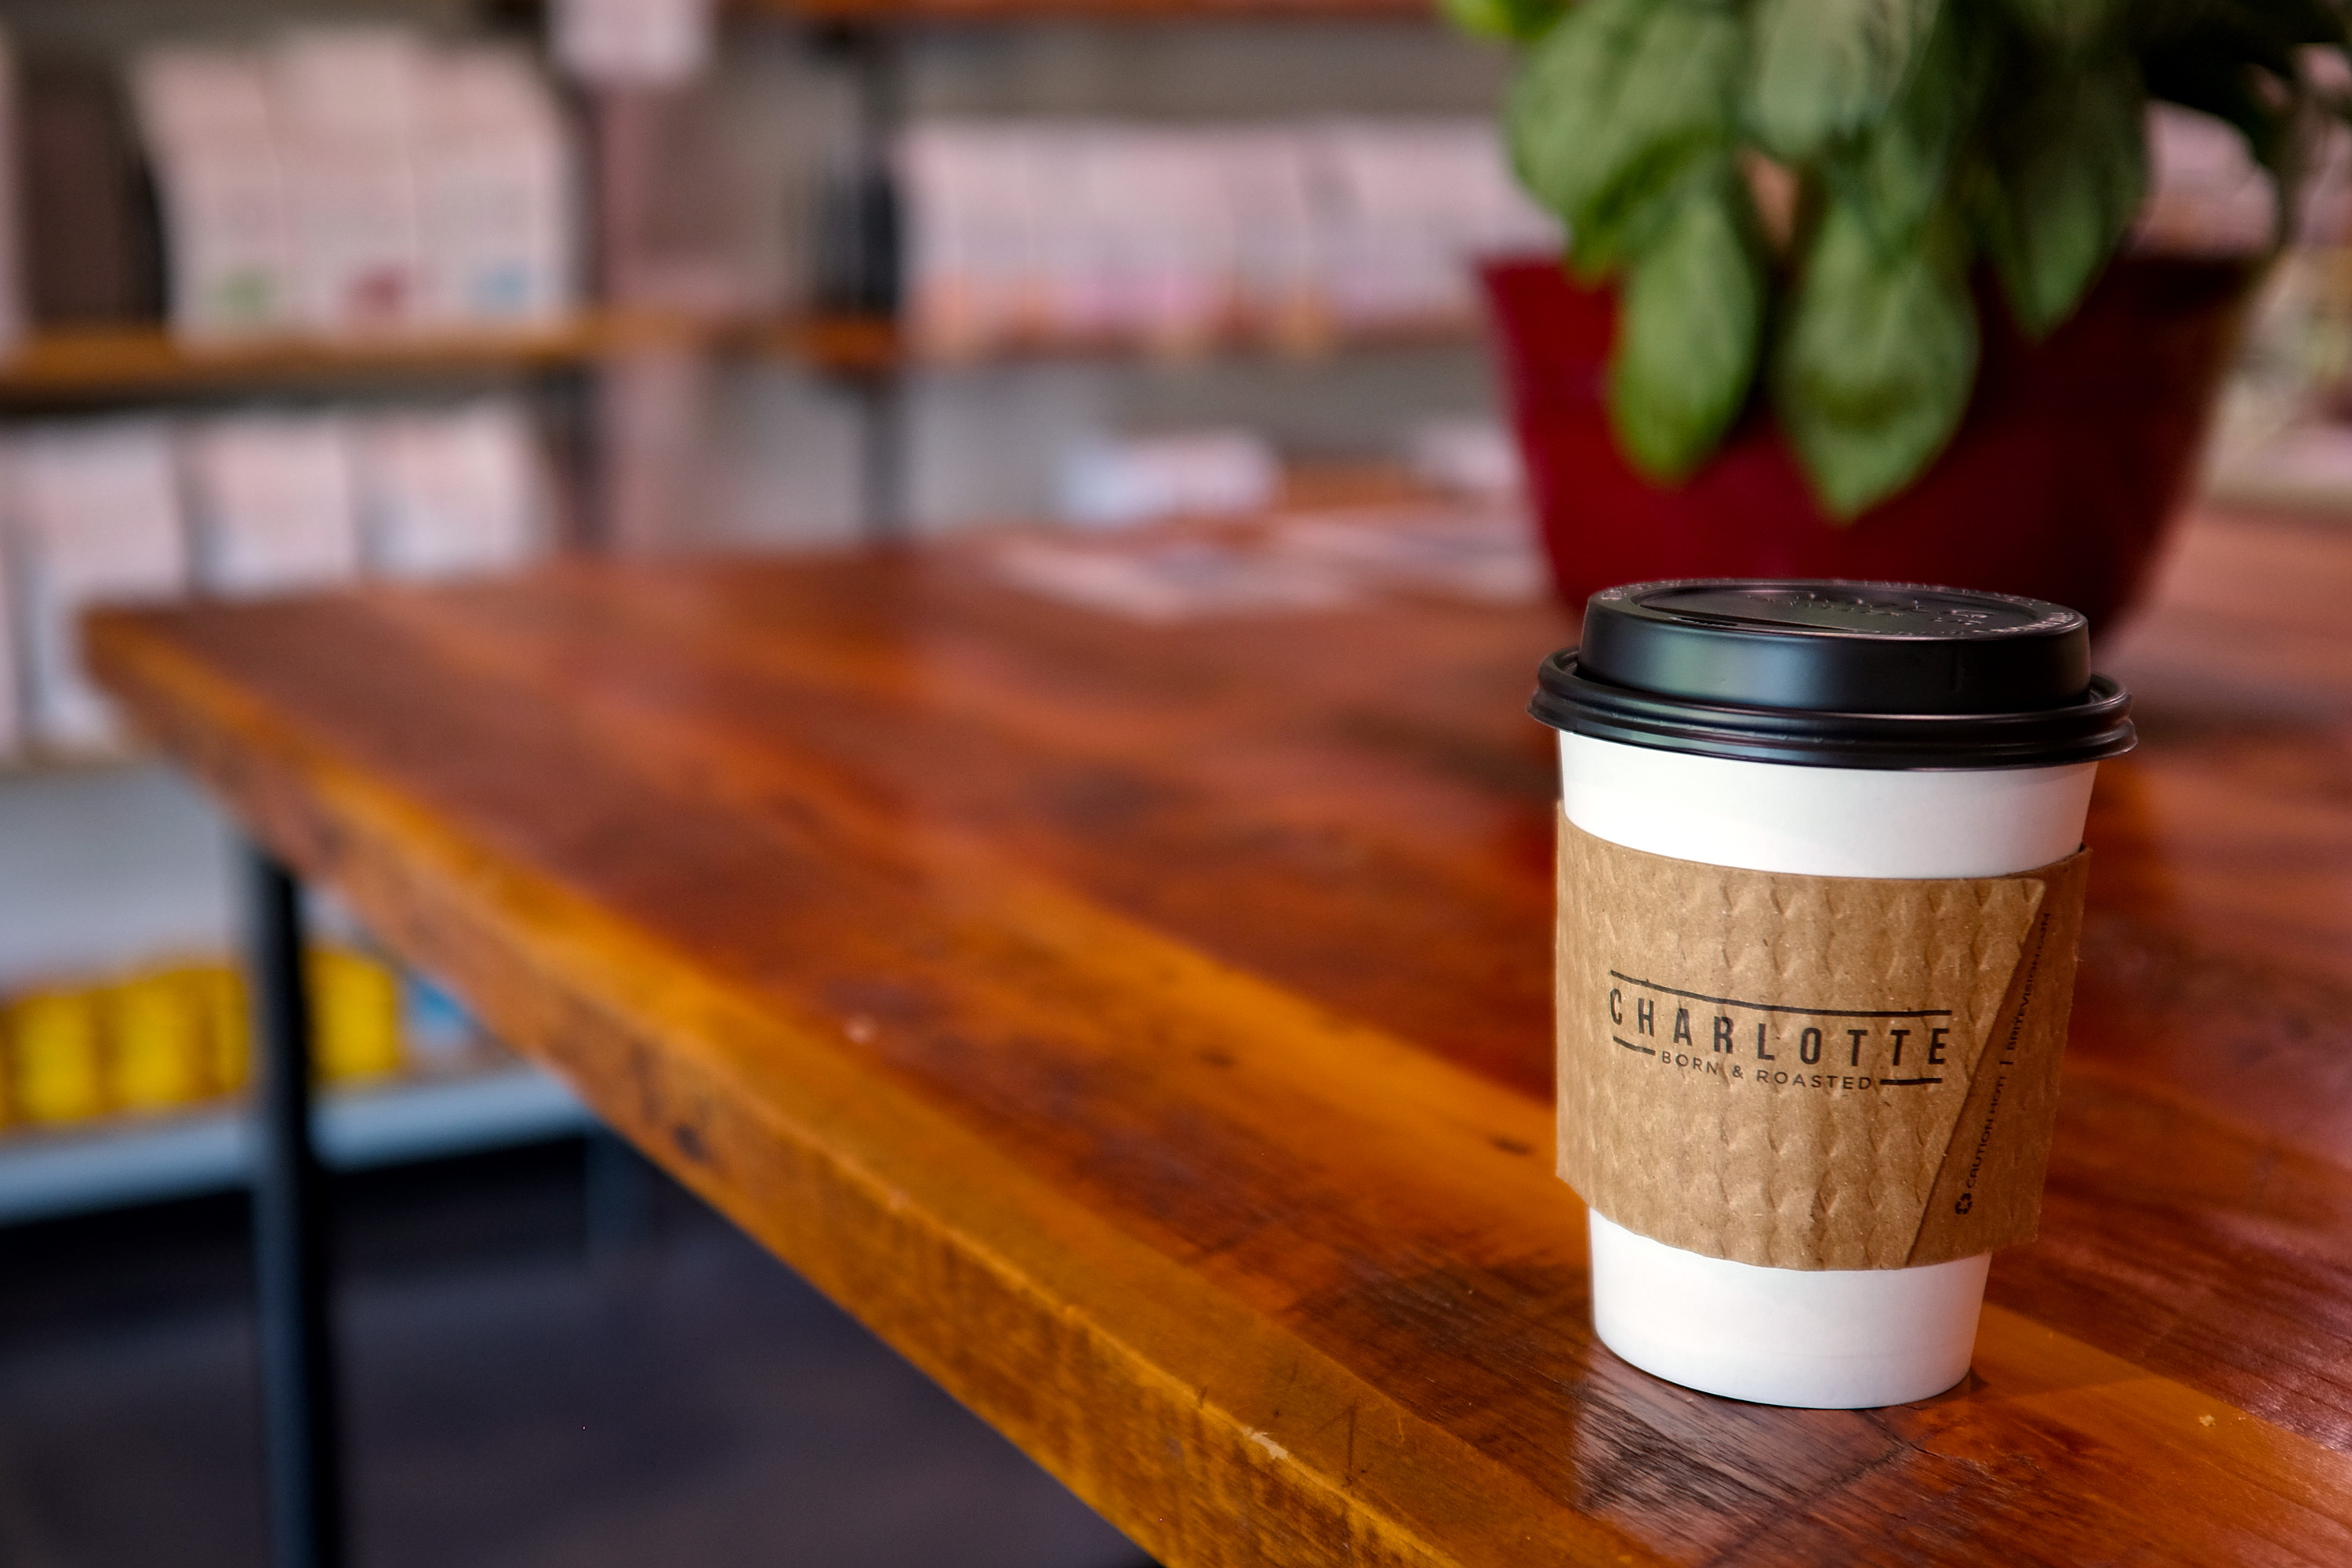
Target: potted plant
x=1843 y=292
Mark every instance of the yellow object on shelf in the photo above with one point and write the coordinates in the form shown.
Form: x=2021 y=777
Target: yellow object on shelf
x=55 y=1072
x=154 y=1028
x=172 y=1037
x=355 y=1015
x=228 y=1026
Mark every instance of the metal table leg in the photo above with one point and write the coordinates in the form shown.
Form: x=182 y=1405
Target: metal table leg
x=298 y=1374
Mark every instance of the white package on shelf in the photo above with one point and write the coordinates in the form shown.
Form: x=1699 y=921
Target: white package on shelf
x=1073 y=173
x=94 y=516
x=496 y=193
x=276 y=510
x=204 y=114
x=1412 y=206
x=451 y=493
x=348 y=102
x=1479 y=200
x=975 y=276
x=1278 y=262
x=1174 y=252
x=1123 y=231
x=938 y=267
x=1390 y=261
x=1079 y=231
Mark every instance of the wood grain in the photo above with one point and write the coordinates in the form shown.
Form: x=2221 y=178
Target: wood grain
x=1146 y=1030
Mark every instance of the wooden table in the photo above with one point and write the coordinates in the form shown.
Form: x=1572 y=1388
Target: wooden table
x=1146 y=1030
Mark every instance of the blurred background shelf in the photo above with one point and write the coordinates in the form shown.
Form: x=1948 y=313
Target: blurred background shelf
x=739 y=350
x=1007 y=11
x=45 y=1174
x=98 y=365
x=875 y=345
x=102 y=364
x=26 y=765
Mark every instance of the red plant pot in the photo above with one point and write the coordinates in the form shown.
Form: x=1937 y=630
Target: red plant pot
x=2074 y=455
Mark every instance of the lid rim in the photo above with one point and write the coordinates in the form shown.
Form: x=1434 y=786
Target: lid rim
x=2092 y=730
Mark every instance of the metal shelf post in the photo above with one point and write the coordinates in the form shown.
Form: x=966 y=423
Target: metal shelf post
x=300 y=1431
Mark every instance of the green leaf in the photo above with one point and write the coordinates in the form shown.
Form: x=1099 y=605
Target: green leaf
x=1823 y=70
x=1900 y=169
x=1690 y=323
x=1616 y=109
x=1876 y=358
x=2068 y=165
x=1515 y=21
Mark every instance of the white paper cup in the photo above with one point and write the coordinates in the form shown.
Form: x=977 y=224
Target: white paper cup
x=1827 y=729
x=1830 y=1338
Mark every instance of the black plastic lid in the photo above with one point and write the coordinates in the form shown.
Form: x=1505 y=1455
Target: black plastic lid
x=1833 y=674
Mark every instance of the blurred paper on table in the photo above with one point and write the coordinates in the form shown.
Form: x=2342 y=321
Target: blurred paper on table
x=1171 y=579
x=1311 y=560
x=1468 y=456
x=1484 y=556
x=1111 y=483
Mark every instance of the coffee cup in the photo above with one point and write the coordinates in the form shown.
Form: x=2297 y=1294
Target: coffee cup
x=1820 y=894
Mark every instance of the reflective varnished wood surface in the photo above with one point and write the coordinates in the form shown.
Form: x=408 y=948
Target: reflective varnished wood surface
x=1146 y=1030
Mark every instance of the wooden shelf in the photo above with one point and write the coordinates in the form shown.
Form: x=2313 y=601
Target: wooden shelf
x=99 y=364
x=39 y=763
x=841 y=344
x=102 y=365
x=995 y=11
x=852 y=345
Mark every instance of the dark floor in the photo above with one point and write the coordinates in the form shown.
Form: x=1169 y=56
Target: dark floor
x=530 y=1381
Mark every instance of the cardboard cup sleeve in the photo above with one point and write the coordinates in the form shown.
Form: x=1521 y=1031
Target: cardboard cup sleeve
x=1810 y=1072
